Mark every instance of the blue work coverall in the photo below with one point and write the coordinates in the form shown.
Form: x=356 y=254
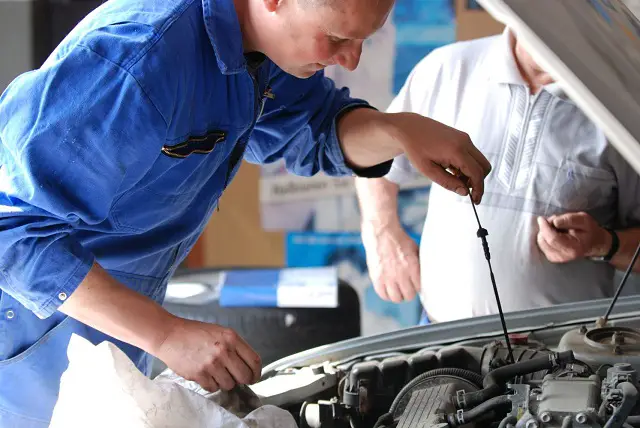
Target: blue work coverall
x=117 y=150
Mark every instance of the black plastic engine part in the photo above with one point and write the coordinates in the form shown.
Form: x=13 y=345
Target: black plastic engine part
x=464 y=417
x=428 y=399
x=495 y=356
x=375 y=384
x=432 y=378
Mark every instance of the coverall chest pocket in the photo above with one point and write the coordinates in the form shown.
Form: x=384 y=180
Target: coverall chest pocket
x=577 y=187
x=183 y=170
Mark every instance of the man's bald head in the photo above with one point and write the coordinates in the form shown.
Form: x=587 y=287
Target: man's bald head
x=319 y=3
x=304 y=36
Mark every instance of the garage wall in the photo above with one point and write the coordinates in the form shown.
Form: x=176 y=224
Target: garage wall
x=237 y=225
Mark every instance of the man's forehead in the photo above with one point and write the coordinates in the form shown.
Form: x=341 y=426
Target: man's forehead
x=359 y=19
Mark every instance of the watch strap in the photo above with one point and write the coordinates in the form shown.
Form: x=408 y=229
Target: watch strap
x=615 y=245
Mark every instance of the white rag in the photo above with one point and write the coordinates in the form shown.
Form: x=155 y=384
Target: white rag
x=102 y=388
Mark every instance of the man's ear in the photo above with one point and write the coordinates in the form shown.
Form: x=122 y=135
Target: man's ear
x=271 y=5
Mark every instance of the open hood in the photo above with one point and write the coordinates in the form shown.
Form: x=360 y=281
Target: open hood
x=592 y=49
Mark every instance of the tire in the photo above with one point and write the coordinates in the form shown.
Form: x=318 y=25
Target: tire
x=273 y=333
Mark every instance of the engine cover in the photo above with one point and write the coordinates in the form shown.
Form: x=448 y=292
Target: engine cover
x=426 y=404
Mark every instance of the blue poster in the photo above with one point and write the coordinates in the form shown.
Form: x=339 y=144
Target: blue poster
x=345 y=252
x=421 y=26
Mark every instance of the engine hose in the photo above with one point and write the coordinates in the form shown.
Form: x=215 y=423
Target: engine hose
x=384 y=420
x=508 y=420
x=463 y=417
x=633 y=420
x=468 y=375
x=629 y=398
x=495 y=382
x=566 y=422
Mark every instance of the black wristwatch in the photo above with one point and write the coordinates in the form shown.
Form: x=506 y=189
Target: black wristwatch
x=615 y=245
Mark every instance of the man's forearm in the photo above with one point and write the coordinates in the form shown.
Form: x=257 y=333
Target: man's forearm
x=629 y=239
x=366 y=137
x=110 y=307
x=378 y=199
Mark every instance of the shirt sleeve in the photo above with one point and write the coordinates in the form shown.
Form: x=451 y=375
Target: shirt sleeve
x=402 y=171
x=72 y=136
x=299 y=125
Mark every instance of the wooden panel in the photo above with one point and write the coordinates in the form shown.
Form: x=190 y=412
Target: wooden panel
x=234 y=236
x=473 y=23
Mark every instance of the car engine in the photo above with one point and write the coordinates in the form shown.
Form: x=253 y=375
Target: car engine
x=589 y=380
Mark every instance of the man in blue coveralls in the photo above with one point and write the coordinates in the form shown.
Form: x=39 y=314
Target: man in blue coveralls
x=115 y=152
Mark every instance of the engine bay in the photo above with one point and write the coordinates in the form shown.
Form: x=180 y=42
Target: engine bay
x=589 y=378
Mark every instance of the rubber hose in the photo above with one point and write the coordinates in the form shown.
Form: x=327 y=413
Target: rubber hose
x=566 y=422
x=468 y=375
x=633 y=420
x=509 y=420
x=471 y=415
x=629 y=398
x=495 y=382
x=384 y=420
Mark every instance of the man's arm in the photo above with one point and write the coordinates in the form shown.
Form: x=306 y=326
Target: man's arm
x=392 y=256
x=369 y=136
x=213 y=356
x=314 y=126
x=108 y=306
x=378 y=200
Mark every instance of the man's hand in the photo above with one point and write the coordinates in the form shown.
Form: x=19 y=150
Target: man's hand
x=213 y=356
x=393 y=262
x=433 y=147
x=369 y=137
x=572 y=236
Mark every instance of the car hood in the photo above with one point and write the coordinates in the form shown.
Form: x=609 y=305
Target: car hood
x=592 y=49
x=548 y=324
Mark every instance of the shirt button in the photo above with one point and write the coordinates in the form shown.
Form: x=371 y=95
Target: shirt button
x=10 y=314
x=62 y=296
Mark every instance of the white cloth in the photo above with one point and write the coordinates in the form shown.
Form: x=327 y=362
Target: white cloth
x=547 y=158
x=102 y=388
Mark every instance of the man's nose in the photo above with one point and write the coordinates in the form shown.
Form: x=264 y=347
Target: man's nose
x=349 y=58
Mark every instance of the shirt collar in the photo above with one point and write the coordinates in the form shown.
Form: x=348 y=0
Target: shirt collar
x=501 y=63
x=223 y=28
x=503 y=68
